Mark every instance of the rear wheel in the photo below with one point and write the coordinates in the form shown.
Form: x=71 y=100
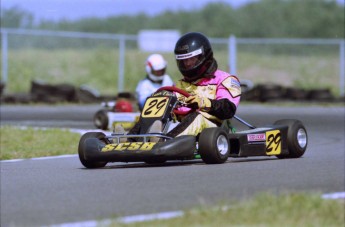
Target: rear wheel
x=81 y=149
x=101 y=119
x=214 y=145
x=297 y=138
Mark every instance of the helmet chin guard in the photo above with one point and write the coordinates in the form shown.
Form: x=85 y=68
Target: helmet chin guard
x=155 y=78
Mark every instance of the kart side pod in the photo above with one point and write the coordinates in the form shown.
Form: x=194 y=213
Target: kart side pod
x=95 y=150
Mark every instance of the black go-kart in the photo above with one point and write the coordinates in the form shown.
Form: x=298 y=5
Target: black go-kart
x=285 y=138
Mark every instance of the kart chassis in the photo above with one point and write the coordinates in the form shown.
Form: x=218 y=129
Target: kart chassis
x=285 y=138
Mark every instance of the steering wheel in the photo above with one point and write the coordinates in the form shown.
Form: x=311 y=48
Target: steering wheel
x=180 y=91
x=174 y=89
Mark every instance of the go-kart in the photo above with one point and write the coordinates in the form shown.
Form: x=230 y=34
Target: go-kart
x=109 y=115
x=284 y=139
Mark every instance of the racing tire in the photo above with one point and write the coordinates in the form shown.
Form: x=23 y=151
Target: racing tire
x=214 y=145
x=81 y=149
x=297 y=138
x=270 y=92
x=101 y=119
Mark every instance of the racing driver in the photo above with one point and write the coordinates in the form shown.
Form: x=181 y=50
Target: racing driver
x=156 y=77
x=215 y=94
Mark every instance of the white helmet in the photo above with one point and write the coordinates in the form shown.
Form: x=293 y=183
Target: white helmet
x=155 y=67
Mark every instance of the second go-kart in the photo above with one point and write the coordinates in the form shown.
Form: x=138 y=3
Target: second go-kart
x=116 y=112
x=285 y=138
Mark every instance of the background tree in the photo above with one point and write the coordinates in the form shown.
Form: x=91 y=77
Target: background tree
x=265 y=18
x=16 y=18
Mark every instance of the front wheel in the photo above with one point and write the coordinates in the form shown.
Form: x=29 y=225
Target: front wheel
x=297 y=138
x=81 y=149
x=214 y=145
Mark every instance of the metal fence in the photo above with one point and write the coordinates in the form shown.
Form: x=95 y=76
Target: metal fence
x=291 y=62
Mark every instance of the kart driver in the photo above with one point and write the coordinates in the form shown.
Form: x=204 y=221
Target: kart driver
x=215 y=94
x=155 y=78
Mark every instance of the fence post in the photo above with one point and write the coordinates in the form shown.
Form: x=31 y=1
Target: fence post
x=122 y=49
x=4 y=55
x=342 y=67
x=232 y=55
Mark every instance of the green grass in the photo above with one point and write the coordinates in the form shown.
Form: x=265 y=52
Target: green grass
x=17 y=143
x=301 y=71
x=289 y=209
x=98 y=68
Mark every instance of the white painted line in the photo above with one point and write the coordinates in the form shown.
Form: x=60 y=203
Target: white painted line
x=335 y=195
x=84 y=224
x=55 y=157
x=12 y=160
x=83 y=131
x=41 y=158
x=124 y=220
x=150 y=217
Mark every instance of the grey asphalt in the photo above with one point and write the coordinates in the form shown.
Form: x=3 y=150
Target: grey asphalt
x=53 y=191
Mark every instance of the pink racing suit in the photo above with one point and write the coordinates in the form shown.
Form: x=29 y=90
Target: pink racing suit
x=224 y=91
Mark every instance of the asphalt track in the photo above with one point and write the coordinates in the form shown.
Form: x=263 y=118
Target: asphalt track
x=43 y=192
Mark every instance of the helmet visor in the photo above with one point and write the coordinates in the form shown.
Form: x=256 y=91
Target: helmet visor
x=189 y=60
x=160 y=72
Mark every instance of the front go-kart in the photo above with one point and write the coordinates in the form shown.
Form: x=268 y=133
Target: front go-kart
x=96 y=149
x=283 y=139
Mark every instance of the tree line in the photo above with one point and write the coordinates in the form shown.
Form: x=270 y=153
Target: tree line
x=259 y=19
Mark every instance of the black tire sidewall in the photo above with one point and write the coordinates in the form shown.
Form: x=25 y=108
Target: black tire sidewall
x=208 y=149
x=81 y=149
x=295 y=150
x=102 y=116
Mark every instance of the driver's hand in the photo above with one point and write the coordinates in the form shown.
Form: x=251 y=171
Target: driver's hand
x=181 y=99
x=197 y=102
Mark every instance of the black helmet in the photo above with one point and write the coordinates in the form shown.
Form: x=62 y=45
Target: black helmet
x=191 y=45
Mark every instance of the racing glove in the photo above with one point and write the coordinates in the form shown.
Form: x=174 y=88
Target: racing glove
x=197 y=102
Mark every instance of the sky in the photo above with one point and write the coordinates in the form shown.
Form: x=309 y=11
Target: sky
x=76 y=9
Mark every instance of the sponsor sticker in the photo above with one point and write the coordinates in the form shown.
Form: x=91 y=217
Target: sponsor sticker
x=233 y=85
x=188 y=55
x=260 y=137
x=235 y=82
x=129 y=146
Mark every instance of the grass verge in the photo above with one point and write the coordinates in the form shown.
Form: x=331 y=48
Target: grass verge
x=18 y=143
x=290 y=209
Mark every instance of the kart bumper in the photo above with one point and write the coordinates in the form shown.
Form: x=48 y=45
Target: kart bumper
x=179 y=148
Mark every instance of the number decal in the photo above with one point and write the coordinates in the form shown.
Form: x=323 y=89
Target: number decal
x=154 y=107
x=128 y=146
x=273 y=142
